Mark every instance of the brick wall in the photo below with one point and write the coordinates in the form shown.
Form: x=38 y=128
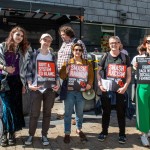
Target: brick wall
x=108 y=11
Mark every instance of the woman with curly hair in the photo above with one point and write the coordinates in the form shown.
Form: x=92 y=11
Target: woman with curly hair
x=74 y=96
x=13 y=53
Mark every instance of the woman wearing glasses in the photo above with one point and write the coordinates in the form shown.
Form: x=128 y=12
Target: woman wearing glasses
x=143 y=101
x=13 y=53
x=74 y=97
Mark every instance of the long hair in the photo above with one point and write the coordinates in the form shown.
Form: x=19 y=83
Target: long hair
x=145 y=40
x=73 y=46
x=23 y=45
x=141 y=48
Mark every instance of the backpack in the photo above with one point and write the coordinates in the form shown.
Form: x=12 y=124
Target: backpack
x=106 y=62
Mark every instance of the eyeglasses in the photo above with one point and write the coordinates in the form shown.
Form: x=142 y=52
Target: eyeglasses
x=80 y=50
x=148 y=41
x=114 y=43
x=19 y=35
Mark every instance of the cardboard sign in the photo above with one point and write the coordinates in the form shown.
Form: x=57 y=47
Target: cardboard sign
x=116 y=71
x=77 y=77
x=143 y=70
x=46 y=74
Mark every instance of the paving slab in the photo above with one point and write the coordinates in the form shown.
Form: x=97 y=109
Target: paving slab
x=91 y=127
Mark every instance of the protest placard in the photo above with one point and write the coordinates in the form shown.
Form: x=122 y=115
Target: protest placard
x=116 y=74
x=143 y=70
x=46 y=74
x=116 y=71
x=77 y=77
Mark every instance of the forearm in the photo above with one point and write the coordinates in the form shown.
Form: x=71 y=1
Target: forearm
x=2 y=67
x=128 y=78
x=99 y=76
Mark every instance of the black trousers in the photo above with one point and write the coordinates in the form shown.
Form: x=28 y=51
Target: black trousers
x=120 y=109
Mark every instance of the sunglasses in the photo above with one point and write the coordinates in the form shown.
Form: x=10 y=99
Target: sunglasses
x=148 y=41
x=80 y=50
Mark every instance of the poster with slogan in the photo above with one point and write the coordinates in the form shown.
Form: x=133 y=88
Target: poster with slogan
x=116 y=71
x=116 y=74
x=143 y=70
x=46 y=74
x=77 y=77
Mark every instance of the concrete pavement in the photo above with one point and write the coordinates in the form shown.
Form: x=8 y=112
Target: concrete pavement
x=91 y=127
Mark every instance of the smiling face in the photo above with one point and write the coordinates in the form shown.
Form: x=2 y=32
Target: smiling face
x=46 y=42
x=77 y=51
x=114 y=44
x=18 y=37
x=148 y=44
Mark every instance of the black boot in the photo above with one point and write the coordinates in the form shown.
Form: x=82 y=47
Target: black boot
x=4 y=140
x=11 y=140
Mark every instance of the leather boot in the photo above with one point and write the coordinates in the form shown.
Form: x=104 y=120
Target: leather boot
x=11 y=140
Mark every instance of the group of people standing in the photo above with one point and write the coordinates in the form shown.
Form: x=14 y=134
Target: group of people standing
x=19 y=69
x=18 y=64
x=116 y=96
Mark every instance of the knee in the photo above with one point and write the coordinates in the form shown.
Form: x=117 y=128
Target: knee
x=47 y=113
x=34 y=114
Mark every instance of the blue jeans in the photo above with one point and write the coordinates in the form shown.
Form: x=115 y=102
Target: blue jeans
x=74 y=98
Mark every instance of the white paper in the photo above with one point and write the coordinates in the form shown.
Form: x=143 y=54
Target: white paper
x=107 y=84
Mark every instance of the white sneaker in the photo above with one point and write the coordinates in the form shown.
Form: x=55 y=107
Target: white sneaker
x=144 y=140
x=29 y=140
x=148 y=134
x=45 y=141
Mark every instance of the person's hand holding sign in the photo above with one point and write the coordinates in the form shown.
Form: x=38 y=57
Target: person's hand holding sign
x=87 y=87
x=102 y=88
x=56 y=87
x=67 y=69
x=33 y=87
x=135 y=65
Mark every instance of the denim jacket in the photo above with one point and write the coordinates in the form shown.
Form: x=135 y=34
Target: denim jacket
x=23 y=61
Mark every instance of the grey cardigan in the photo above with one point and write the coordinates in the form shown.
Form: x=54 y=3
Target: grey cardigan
x=23 y=62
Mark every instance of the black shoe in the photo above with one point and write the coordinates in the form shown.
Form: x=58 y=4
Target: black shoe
x=11 y=140
x=67 y=138
x=4 y=140
x=122 y=139
x=102 y=137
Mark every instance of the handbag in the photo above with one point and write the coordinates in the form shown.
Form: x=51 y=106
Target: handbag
x=63 y=89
